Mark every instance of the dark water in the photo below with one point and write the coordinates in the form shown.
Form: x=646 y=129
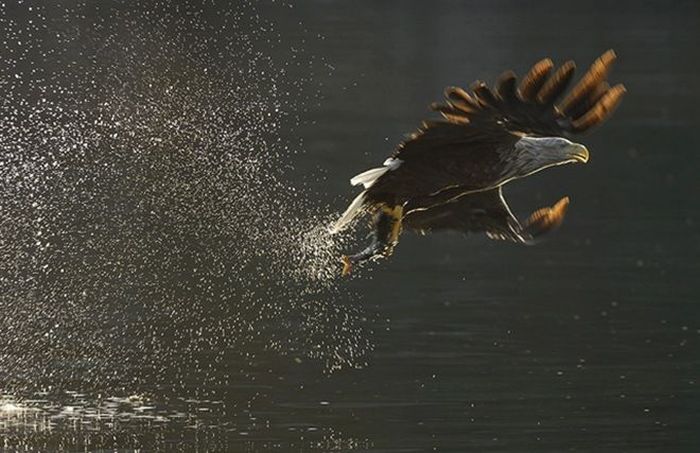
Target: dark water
x=166 y=284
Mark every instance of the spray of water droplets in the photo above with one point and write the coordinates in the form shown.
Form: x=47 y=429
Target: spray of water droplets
x=147 y=230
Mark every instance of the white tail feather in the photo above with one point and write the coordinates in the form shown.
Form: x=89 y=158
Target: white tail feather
x=369 y=177
x=350 y=213
x=366 y=178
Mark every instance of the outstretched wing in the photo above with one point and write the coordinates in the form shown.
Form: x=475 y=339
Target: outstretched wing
x=485 y=212
x=512 y=108
x=477 y=212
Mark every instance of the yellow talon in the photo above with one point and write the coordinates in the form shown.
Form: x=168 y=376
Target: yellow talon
x=387 y=228
x=396 y=213
x=347 y=265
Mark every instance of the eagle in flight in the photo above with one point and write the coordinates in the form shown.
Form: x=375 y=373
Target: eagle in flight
x=449 y=174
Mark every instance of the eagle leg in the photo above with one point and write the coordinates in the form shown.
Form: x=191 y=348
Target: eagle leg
x=386 y=229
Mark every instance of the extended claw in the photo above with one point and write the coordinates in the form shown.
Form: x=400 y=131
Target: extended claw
x=347 y=265
x=385 y=235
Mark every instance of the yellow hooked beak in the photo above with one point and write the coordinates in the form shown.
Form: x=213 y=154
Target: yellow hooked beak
x=578 y=152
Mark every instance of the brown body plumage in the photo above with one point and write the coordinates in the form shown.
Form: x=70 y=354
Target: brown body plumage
x=449 y=174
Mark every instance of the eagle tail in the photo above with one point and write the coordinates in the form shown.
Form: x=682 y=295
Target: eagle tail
x=368 y=177
x=355 y=208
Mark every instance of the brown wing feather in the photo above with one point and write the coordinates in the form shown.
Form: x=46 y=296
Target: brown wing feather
x=457 y=95
x=534 y=79
x=485 y=212
x=458 y=151
x=479 y=212
x=596 y=74
x=525 y=108
x=601 y=110
x=590 y=100
x=557 y=84
x=506 y=86
x=484 y=95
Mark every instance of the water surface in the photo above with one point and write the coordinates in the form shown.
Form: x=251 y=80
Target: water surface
x=186 y=300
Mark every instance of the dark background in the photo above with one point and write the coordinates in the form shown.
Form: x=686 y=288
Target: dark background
x=586 y=342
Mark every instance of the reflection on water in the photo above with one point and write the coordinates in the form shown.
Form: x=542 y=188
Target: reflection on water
x=33 y=421
x=74 y=410
x=166 y=281
x=70 y=419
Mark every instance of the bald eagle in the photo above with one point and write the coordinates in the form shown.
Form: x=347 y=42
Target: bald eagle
x=449 y=174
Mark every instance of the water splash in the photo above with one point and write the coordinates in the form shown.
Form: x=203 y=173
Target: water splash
x=148 y=233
